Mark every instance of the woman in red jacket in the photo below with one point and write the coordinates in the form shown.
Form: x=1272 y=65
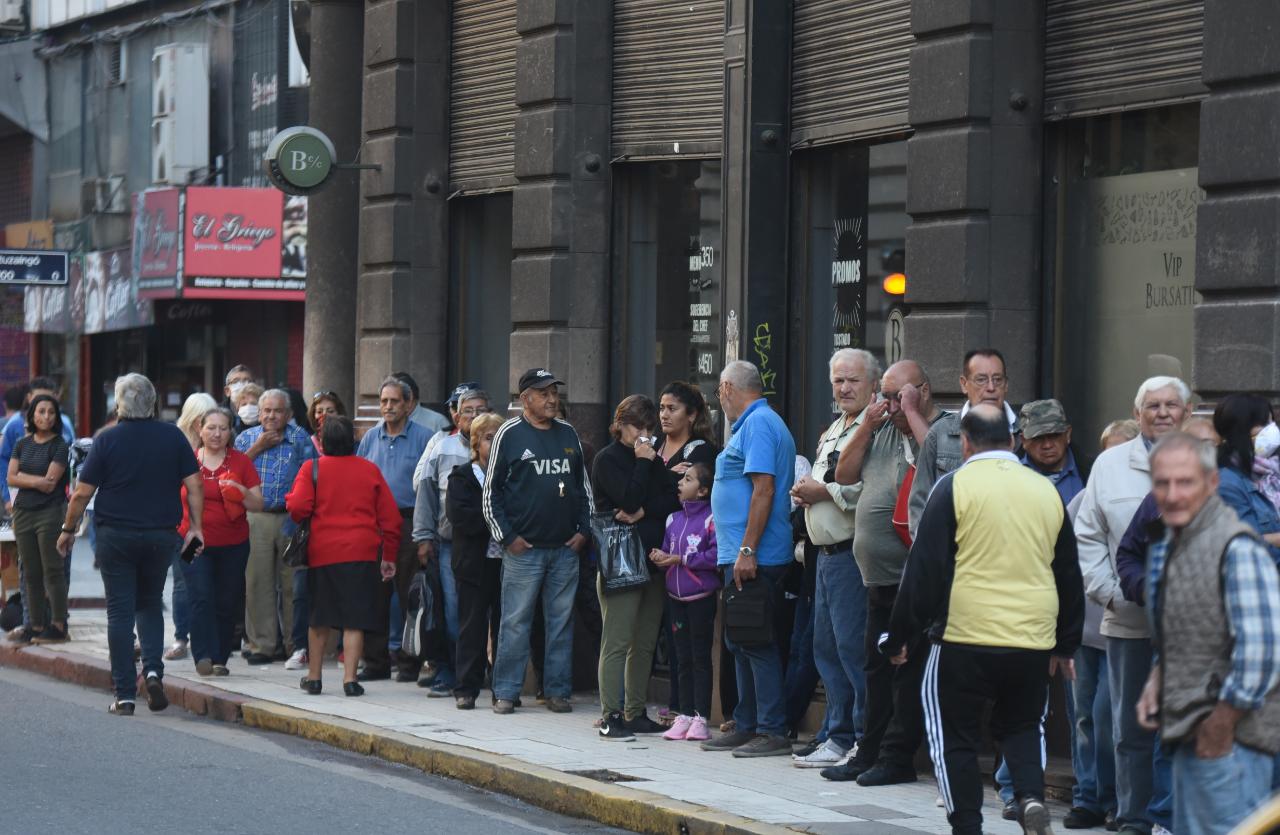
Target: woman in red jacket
x=355 y=532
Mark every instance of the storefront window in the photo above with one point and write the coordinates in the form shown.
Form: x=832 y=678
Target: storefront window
x=848 y=233
x=667 y=266
x=1126 y=260
x=480 y=288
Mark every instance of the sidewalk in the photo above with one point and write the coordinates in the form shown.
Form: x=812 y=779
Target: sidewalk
x=553 y=760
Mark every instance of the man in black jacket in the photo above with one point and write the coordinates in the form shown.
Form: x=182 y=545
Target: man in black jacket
x=994 y=579
x=537 y=501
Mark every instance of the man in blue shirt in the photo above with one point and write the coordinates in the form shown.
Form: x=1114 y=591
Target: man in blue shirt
x=395 y=444
x=278 y=447
x=751 y=504
x=16 y=426
x=1048 y=451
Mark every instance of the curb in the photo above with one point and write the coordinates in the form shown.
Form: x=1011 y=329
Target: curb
x=556 y=791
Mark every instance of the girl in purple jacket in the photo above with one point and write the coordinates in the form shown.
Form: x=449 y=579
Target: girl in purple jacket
x=689 y=555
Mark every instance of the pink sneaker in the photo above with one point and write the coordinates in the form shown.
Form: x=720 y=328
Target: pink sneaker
x=678 y=728
x=697 y=729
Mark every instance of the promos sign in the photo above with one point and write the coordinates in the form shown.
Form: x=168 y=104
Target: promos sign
x=232 y=233
x=110 y=301
x=156 y=231
x=37 y=234
x=32 y=266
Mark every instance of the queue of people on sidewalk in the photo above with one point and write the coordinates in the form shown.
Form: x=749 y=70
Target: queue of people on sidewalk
x=952 y=565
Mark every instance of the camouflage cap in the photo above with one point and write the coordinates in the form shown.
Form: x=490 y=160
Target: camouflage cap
x=1042 y=417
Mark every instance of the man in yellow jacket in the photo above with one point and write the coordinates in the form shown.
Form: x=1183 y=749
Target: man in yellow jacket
x=994 y=580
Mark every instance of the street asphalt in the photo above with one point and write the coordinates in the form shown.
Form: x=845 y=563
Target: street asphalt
x=70 y=767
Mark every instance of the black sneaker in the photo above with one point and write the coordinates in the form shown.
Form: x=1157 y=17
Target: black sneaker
x=1034 y=816
x=614 y=729
x=848 y=772
x=257 y=659
x=312 y=686
x=25 y=636
x=1082 y=818
x=156 y=698
x=119 y=708
x=727 y=742
x=1010 y=811
x=642 y=724
x=886 y=775
x=803 y=750
x=50 y=635
x=1111 y=823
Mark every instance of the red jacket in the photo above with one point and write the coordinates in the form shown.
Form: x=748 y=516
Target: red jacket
x=355 y=516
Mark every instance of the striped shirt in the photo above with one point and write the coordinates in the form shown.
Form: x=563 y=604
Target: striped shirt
x=1251 y=589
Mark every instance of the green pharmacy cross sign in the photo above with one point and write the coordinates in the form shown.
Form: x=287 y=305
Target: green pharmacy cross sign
x=299 y=160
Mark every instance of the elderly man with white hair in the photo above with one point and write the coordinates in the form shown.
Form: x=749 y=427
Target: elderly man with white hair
x=137 y=468
x=1120 y=480
x=278 y=448
x=840 y=599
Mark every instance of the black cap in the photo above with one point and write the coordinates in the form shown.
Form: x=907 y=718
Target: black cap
x=538 y=378
x=460 y=390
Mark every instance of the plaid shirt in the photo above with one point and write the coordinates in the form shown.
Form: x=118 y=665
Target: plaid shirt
x=1252 y=590
x=278 y=466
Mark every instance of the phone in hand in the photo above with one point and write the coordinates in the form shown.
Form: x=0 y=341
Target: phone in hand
x=189 y=553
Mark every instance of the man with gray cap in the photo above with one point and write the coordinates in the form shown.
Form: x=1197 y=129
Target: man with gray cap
x=537 y=501
x=1047 y=448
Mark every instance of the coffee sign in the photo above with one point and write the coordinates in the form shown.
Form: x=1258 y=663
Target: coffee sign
x=156 y=231
x=232 y=233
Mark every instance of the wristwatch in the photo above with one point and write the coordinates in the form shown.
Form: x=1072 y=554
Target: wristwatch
x=747 y=551
x=68 y=530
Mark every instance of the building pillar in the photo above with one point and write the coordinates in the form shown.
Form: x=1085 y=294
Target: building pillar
x=974 y=189
x=403 y=289
x=757 y=92
x=1237 y=323
x=561 y=202
x=328 y=355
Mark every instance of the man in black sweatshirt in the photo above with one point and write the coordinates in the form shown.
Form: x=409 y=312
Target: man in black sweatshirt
x=537 y=501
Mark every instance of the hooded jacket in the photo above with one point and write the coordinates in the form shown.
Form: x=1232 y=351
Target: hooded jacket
x=691 y=533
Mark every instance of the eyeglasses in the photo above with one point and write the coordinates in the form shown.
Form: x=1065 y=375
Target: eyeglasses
x=474 y=411
x=982 y=380
x=318 y=395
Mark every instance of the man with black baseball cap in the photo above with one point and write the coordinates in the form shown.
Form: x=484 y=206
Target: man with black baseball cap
x=537 y=501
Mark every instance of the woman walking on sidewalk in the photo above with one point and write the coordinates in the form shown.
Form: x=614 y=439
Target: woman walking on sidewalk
x=215 y=578
x=194 y=408
x=38 y=471
x=355 y=533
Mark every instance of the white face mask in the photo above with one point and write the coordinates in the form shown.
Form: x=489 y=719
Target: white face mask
x=249 y=413
x=237 y=386
x=1268 y=441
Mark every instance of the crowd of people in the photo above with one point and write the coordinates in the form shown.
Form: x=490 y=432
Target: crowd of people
x=936 y=570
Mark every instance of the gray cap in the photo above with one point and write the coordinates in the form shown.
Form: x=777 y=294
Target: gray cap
x=1042 y=417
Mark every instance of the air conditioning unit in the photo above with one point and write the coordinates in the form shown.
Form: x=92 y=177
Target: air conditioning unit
x=180 y=104
x=11 y=14
x=105 y=195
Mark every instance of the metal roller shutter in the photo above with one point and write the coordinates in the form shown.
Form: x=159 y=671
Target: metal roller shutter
x=849 y=69
x=1102 y=57
x=482 y=95
x=668 y=77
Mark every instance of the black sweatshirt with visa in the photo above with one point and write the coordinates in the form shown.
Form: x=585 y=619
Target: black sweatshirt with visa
x=536 y=485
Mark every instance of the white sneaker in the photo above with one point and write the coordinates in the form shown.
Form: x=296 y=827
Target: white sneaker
x=826 y=755
x=297 y=661
x=1157 y=829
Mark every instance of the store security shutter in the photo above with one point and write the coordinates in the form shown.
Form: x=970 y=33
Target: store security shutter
x=849 y=69
x=482 y=90
x=668 y=77
x=1102 y=57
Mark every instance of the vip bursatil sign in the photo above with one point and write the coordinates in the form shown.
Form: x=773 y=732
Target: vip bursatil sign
x=299 y=160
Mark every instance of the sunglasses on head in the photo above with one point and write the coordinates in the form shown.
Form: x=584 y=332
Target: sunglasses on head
x=320 y=394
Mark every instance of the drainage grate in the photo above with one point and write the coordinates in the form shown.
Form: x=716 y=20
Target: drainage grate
x=604 y=775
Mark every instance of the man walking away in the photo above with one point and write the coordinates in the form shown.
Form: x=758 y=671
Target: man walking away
x=751 y=503
x=537 y=501
x=1215 y=609
x=994 y=577
x=429 y=419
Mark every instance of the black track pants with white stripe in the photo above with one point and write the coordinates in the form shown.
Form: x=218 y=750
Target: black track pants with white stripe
x=959 y=682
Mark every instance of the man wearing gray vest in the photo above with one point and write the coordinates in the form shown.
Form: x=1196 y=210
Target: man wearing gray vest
x=1214 y=598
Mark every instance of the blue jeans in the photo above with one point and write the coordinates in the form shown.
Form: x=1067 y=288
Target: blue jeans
x=1093 y=755
x=552 y=575
x=1213 y=796
x=802 y=672
x=215 y=590
x=839 y=646
x=301 y=609
x=760 y=708
x=1128 y=664
x=1160 y=809
x=135 y=564
x=444 y=553
x=181 y=603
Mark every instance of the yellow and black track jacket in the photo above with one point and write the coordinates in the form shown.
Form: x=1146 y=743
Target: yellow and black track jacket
x=993 y=563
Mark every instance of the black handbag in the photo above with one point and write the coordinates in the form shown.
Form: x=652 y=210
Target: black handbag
x=295 y=553
x=623 y=564
x=748 y=613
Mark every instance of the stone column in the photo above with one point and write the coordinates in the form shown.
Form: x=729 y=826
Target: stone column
x=329 y=333
x=974 y=189
x=560 y=205
x=403 y=294
x=1237 y=324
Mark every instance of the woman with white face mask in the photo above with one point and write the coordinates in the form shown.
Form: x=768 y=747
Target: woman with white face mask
x=245 y=403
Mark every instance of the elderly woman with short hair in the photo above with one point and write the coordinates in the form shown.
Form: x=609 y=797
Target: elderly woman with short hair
x=194 y=408
x=138 y=469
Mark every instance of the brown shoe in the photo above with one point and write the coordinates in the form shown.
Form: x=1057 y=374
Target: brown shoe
x=555 y=704
x=504 y=706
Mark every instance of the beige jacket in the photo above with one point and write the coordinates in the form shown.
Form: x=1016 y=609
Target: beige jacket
x=1120 y=480
x=832 y=522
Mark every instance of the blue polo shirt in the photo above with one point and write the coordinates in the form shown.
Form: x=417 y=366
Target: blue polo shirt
x=14 y=429
x=138 y=467
x=761 y=443
x=396 y=456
